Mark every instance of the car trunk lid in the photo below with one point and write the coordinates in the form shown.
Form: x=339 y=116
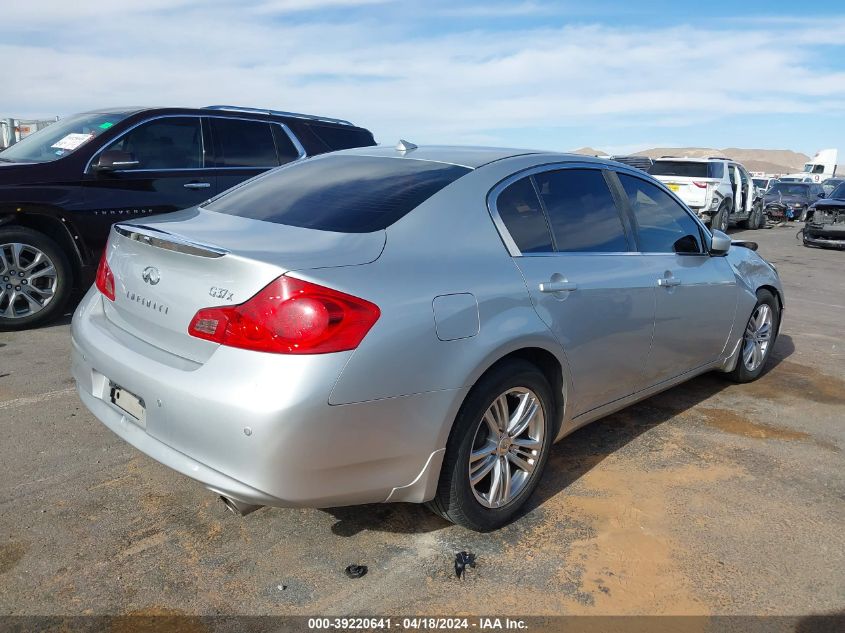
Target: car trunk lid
x=167 y=269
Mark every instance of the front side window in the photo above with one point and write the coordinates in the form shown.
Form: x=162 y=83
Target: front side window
x=663 y=225
x=343 y=193
x=166 y=143
x=520 y=210
x=61 y=138
x=241 y=143
x=581 y=210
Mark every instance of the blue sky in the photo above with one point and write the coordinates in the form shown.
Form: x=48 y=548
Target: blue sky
x=618 y=76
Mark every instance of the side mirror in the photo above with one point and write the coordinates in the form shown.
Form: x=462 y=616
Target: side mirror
x=112 y=160
x=822 y=195
x=720 y=244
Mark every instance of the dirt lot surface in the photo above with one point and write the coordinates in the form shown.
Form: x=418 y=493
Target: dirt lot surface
x=711 y=498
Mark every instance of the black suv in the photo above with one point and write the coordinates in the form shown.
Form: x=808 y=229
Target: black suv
x=62 y=188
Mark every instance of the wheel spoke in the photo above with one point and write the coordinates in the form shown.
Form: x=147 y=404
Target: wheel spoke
x=495 y=482
x=481 y=469
x=519 y=462
x=49 y=271
x=505 y=485
x=524 y=415
x=16 y=255
x=39 y=257
x=488 y=449
x=527 y=444
x=10 y=307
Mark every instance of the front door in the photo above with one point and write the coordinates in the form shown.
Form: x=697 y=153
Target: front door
x=156 y=167
x=696 y=293
x=575 y=256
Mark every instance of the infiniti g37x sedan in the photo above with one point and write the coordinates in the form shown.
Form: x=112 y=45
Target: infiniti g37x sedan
x=410 y=324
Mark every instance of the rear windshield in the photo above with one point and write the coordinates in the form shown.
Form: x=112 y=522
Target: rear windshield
x=681 y=168
x=347 y=194
x=790 y=188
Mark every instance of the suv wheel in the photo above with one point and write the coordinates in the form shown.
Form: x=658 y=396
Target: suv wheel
x=719 y=221
x=35 y=278
x=497 y=449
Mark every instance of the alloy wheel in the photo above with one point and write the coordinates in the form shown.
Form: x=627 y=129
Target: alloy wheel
x=28 y=280
x=758 y=336
x=506 y=448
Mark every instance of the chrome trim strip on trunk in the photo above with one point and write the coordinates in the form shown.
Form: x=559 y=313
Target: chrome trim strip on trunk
x=168 y=241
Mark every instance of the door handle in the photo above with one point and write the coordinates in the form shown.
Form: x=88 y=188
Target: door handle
x=197 y=185
x=668 y=282
x=558 y=286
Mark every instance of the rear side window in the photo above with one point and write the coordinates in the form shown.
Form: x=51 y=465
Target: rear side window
x=347 y=194
x=343 y=137
x=716 y=170
x=682 y=169
x=166 y=143
x=582 y=213
x=662 y=224
x=241 y=143
x=520 y=210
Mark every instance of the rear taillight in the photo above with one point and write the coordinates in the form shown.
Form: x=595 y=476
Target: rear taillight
x=105 y=278
x=700 y=185
x=289 y=316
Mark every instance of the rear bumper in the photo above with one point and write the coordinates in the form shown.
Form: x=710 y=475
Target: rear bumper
x=258 y=427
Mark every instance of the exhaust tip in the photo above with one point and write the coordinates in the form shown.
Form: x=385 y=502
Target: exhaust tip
x=239 y=507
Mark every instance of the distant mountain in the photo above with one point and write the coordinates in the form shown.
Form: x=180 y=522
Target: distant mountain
x=773 y=161
x=588 y=151
x=770 y=161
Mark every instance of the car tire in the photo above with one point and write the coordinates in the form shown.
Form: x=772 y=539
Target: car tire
x=719 y=221
x=483 y=506
x=38 y=291
x=754 y=220
x=766 y=311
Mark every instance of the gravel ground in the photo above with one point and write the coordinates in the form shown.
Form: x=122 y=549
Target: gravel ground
x=710 y=498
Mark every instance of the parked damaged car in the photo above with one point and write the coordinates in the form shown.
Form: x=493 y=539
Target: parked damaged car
x=791 y=200
x=409 y=324
x=826 y=227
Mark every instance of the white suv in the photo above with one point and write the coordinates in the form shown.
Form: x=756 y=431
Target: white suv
x=719 y=190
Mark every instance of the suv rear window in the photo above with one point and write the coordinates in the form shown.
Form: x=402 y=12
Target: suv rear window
x=347 y=194
x=343 y=137
x=686 y=169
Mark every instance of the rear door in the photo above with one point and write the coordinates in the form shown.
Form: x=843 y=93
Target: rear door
x=244 y=148
x=157 y=166
x=575 y=253
x=696 y=293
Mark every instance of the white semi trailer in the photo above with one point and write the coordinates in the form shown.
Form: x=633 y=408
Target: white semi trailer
x=821 y=167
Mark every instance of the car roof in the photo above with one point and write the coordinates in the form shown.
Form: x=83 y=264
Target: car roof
x=465 y=156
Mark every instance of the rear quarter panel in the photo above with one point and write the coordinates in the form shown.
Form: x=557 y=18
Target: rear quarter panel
x=448 y=245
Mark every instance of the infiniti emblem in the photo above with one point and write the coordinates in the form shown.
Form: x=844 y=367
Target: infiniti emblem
x=151 y=275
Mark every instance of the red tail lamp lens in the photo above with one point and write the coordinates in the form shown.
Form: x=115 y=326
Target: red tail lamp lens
x=289 y=316
x=105 y=279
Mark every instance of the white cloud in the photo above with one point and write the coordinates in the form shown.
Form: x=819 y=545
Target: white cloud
x=399 y=80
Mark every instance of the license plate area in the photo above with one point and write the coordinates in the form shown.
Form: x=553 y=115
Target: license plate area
x=674 y=187
x=129 y=403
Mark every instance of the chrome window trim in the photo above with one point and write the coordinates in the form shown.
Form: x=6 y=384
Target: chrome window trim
x=297 y=145
x=510 y=244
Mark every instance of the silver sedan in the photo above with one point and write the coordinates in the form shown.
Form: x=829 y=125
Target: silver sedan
x=415 y=324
